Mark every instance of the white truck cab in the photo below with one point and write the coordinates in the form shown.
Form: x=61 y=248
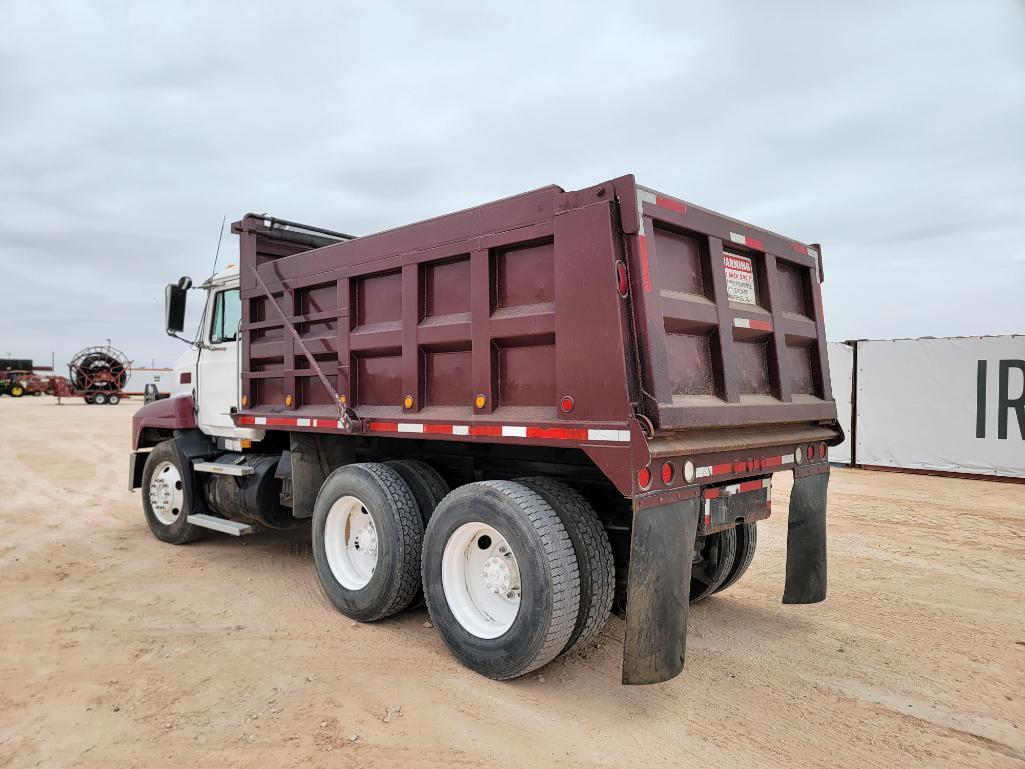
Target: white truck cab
x=209 y=371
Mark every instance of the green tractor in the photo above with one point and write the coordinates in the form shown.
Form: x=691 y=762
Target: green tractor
x=13 y=387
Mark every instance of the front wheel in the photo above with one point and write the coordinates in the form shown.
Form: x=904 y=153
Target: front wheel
x=164 y=499
x=17 y=391
x=500 y=578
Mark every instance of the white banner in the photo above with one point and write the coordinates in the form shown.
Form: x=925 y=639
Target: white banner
x=841 y=376
x=955 y=404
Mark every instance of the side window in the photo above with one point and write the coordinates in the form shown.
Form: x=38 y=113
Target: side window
x=227 y=314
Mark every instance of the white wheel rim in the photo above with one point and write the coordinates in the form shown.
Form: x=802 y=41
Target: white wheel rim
x=481 y=580
x=166 y=494
x=350 y=541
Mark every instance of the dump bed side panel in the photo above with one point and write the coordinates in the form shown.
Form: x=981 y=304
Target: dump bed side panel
x=497 y=323
x=729 y=318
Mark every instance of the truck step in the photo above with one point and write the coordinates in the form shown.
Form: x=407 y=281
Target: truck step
x=222 y=525
x=222 y=468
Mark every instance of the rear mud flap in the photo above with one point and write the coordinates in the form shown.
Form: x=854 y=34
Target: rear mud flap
x=806 y=539
x=658 y=591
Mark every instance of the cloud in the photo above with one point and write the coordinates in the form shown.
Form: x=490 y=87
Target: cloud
x=894 y=134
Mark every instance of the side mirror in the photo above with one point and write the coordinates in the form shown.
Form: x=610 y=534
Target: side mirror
x=174 y=306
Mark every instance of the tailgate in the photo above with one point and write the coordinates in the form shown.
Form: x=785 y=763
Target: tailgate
x=728 y=318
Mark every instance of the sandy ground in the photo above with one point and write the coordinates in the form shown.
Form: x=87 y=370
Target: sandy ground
x=117 y=650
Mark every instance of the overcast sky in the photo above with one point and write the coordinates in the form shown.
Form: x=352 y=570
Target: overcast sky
x=892 y=133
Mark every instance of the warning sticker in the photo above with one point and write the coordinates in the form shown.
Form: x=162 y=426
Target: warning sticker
x=740 y=278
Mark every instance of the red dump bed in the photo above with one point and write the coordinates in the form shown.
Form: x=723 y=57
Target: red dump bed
x=551 y=317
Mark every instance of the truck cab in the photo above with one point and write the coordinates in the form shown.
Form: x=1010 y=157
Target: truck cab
x=207 y=372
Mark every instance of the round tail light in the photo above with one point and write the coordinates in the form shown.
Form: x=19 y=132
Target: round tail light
x=667 y=473
x=822 y=451
x=567 y=404
x=799 y=455
x=688 y=471
x=644 y=477
x=811 y=452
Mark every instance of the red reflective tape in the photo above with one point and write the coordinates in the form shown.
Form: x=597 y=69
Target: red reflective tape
x=560 y=433
x=761 y=325
x=739 y=467
x=771 y=462
x=438 y=429
x=247 y=420
x=712 y=493
x=280 y=422
x=799 y=248
x=673 y=205
x=645 y=269
x=750 y=486
x=495 y=431
x=384 y=427
x=754 y=243
x=721 y=469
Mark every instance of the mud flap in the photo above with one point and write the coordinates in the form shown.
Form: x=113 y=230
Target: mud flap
x=658 y=591
x=806 y=538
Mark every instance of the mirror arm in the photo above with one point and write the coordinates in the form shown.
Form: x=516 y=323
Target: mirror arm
x=189 y=342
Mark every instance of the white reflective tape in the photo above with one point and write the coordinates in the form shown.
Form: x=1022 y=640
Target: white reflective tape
x=460 y=430
x=643 y=196
x=703 y=472
x=620 y=436
x=742 y=322
x=511 y=431
x=738 y=238
x=340 y=425
x=813 y=253
x=788 y=459
x=302 y=423
x=260 y=420
x=410 y=427
x=766 y=483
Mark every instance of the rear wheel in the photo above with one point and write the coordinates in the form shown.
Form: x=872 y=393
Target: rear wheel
x=427 y=485
x=164 y=500
x=113 y=399
x=99 y=399
x=17 y=391
x=594 y=558
x=367 y=540
x=716 y=559
x=500 y=578
x=747 y=541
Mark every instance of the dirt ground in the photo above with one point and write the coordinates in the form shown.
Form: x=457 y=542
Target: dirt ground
x=117 y=650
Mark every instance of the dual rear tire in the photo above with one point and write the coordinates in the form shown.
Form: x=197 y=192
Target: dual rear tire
x=514 y=574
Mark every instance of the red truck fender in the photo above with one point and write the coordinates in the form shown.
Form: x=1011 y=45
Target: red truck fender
x=166 y=414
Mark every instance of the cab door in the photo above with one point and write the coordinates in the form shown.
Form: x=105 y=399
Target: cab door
x=217 y=370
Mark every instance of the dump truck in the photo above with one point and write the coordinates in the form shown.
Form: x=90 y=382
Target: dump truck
x=527 y=415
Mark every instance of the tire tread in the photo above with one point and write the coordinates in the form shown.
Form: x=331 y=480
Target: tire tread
x=594 y=558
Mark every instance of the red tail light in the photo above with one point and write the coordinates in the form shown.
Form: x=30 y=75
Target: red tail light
x=567 y=404
x=822 y=451
x=644 y=477
x=667 y=473
x=811 y=452
x=622 y=280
